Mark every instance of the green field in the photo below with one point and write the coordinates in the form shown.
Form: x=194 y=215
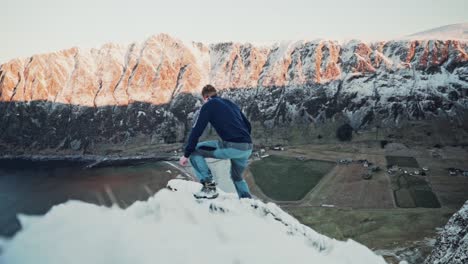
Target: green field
x=288 y=179
x=413 y=191
x=402 y=161
x=375 y=228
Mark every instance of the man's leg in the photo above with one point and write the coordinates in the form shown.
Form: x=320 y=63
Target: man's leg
x=197 y=159
x=237 y=169
x=239 y=154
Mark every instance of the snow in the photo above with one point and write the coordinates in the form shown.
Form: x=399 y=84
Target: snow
x=348 y=50
x=451 y=246
x=387 y=61
x=173 y=227
x=202 y=59
x=282 y=50
x=220 y=169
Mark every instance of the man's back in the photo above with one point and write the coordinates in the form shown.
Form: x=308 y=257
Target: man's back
x=228 y=120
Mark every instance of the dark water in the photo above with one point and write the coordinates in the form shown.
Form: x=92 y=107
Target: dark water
x=34 y=187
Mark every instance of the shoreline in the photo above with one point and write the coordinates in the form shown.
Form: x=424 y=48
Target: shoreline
x=89 y=161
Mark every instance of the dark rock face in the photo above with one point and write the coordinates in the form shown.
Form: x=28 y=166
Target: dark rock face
x=452 y=244
x=40 y=125
x=45 y=125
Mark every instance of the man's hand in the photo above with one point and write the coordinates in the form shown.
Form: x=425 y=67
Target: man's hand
x=183 y=161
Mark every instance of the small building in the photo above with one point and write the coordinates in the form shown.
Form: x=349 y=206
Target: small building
x=278 y=148
x=345 y=161
x=453 y=171
x=419 y=172
x=393 y=169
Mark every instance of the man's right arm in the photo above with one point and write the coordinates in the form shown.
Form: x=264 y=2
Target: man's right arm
x=247 y=123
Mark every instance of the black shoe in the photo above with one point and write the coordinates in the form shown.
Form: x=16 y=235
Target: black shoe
x=208 y=191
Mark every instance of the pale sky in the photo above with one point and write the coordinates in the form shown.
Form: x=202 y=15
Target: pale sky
x=30 y=27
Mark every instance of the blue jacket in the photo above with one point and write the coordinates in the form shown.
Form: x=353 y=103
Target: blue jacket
x=226 y=118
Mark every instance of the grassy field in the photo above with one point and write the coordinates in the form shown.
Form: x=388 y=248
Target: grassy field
x=402 y=161
x=288 y=179
x=413 y=191
x=365 y=210
x=375 y=228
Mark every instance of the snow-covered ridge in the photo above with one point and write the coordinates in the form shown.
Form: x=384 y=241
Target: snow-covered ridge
x=173 y=227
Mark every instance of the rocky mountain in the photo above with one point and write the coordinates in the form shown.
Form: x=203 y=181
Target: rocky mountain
x=298 y=90
x=452 y=244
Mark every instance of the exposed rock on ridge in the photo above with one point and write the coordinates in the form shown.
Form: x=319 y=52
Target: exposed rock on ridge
x=452 y=244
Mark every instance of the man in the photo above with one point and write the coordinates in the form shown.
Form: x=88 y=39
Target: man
x=234 y=129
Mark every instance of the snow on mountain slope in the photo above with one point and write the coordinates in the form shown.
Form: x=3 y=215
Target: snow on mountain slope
x=173 y=227
x=454 y=31
x=451 y=246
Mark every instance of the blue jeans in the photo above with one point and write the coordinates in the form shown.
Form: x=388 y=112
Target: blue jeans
x=238 y=153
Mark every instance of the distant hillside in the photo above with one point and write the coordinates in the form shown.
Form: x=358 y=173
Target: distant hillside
x=452 y=32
